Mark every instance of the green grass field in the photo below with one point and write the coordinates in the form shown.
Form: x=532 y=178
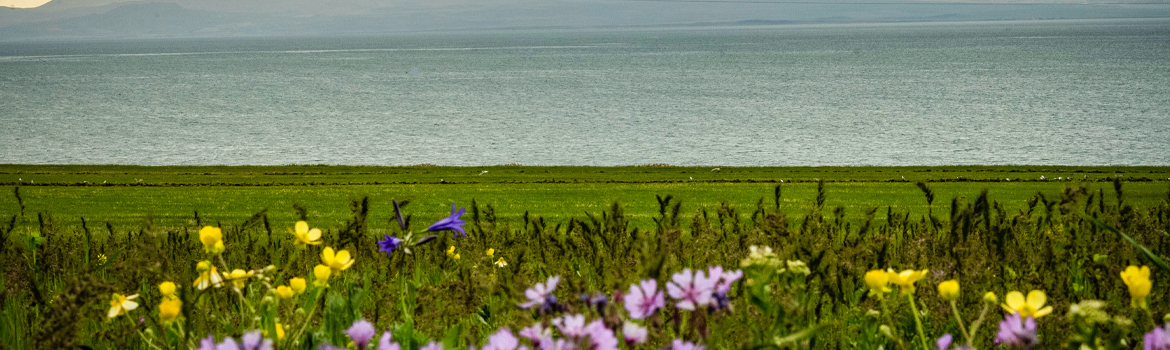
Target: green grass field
x=171 y=195
x=1029 y=234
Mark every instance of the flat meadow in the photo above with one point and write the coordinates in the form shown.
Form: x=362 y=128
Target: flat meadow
x=639 y=257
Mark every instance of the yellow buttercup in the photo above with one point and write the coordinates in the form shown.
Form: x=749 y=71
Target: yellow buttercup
x=1032 y=306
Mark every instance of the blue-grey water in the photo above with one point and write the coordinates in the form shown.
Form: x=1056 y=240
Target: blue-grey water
x=1035 y=92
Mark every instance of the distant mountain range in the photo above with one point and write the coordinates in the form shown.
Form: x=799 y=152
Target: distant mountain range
x=121 y=19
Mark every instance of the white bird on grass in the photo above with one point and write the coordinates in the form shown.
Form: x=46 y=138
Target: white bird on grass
x=1043 y=178
x=483 y=172
x=692 y=178
x=716 y=169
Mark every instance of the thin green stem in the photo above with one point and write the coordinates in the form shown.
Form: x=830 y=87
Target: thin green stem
x=917 y=321
x=959 y=320
x=309 y=316
x=978 y=322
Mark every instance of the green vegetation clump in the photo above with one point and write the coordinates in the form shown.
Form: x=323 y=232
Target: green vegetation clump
x=806 y=250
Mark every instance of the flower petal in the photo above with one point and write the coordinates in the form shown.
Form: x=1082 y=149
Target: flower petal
x=1015 y=300
x=302 y=227
x=1037 y=299
x=314 y=234
x=1044 y=311
x=129 y=305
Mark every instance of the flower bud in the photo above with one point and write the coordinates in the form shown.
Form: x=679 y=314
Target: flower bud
x=949 y=290
x=989 y=298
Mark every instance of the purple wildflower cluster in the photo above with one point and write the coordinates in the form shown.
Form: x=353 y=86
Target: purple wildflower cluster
x=250 y=341
x=1157 y=339
x=362 y=334
x=696 y=289
x=1017 y=332
x=542 y=295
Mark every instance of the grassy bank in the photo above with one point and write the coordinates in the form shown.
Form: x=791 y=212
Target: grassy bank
x=963 y=223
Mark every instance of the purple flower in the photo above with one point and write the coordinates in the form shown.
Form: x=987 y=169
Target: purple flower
x=541 y=294
x=679 y=344
x=598 y=300
x=433 y=346
x=943 y=342
x=601 y=337
x=691 y=289
x=1016 y=332
x=502 y=340
x=227 y=344
x=389 y=244
x=451 y=223
x=726 y=279
x=207 y=343
x=644 y=299
x=1157 y=339
x=559 y=344
x=537 y=334
x=361 y=332
x=253 y=341
x=634 y=334
x=385 y=344
x=571 y=325
x=327 y=346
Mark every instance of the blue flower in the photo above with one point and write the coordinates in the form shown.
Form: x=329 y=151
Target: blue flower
x=451 y=223
x=389 y=244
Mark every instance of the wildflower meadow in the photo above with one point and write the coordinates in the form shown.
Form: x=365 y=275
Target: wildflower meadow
x=1081 y=270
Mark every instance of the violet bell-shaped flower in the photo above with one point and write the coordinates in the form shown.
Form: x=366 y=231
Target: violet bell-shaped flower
x=691 y=289
x=644 y=298
x=361 y=332
x=451 y=223
x=1157 y=339
x=1016 y=332
x=388 y=244
x=541 y=295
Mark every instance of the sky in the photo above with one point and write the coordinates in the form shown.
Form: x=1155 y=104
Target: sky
x=23 y=3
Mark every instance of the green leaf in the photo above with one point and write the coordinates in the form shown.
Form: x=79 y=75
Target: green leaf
x=1157 y=261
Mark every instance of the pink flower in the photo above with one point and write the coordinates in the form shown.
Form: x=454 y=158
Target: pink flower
x=385 y=344
x=541 y=294
x=361 y=332
x=601 y=337
x=644 y=299
x=634 y=333
x=726 y=279
x=537 y=334
x=678 y=344
x=502 y=340
x=433 y=346
x=691 y=289
x=572 y=326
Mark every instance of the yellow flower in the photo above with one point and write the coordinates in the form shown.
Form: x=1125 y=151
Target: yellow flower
x=501 y=262
x=456 y=257
x=339 y=261
x=101 y=259
x=279 y=331
x=207 y=276
x=169 y=310
x=322 y=272
x=906 y=279
x=119 y=304
x=239 y=277
x=1139 y=284
x=451 y=251
x=284 y=292
x=878 y=281
x=490 y=252
x=305 y=235
x=1032 y=306
x=989 y=298
x=212 y=238
x=297 y=284
x=167 y=289
x=949 y=290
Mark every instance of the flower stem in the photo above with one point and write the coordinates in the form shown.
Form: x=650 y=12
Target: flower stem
x=309 y=316
x=978 y=322
x=917 y=321
x=959 y=320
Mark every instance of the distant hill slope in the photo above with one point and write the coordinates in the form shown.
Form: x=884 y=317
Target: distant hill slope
x=76 y=19
x=136 y=20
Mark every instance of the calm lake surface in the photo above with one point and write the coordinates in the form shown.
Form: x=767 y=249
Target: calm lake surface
x=1036 y=92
